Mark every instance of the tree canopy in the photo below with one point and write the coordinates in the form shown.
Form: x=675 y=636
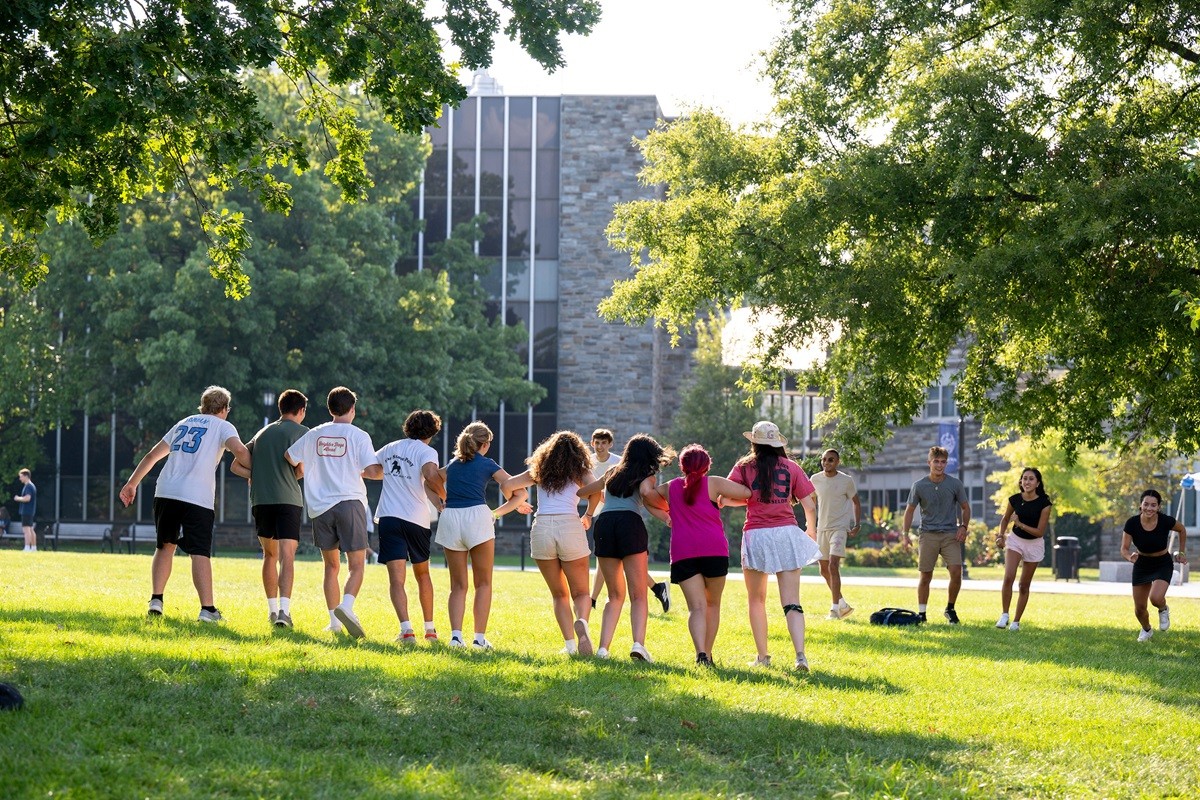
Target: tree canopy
x=1019 y=176
x=105 y=101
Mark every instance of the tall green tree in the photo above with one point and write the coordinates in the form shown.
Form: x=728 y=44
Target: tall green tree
x=1018 y=175
x=105 y=101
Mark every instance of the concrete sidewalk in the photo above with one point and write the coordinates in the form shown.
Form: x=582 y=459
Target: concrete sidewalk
x=1188 y=590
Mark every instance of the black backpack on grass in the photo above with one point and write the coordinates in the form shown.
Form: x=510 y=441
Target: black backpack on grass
x=895 y=616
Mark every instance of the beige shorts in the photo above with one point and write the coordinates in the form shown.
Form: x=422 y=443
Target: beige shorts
x=465 y=528
x=934 y=544
x=832 y=542
x=558 y=536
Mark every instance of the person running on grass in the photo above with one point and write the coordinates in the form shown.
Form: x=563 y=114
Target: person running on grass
x=559 y=467
x=185 y=495
x=772 y=542
x=276 y=501
x=1027 y=547
x=621 y=537
x=467 y=528
x=945 y=513
x=839 y=515
x=605 y=459
x=411 y=481
x=335 y=457
x=699 y=549
x=1153 y=564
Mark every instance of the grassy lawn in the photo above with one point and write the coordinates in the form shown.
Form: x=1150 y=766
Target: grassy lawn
x=119 y=706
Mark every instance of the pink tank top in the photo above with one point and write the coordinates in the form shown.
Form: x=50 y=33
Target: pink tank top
x=696 y=530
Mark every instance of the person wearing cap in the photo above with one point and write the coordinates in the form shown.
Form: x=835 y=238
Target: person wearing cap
x=945 y=513
x=772 y=542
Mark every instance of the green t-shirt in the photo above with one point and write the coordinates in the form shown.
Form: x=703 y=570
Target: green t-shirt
x=272 y=480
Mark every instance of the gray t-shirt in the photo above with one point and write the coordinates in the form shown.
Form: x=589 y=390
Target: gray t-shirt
x=939 y=503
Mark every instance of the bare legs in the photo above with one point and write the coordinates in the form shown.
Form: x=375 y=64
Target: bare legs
x=1155 y=593
x=618 y=574
x=756 y=593
x=160 y=573
x=951 y=591
x=397 y=571
x=568 y=584
x=279 y=566
x=703 y=596
x=356 y=561
x=482 y=557
x=832 y=573
x=1012 y=560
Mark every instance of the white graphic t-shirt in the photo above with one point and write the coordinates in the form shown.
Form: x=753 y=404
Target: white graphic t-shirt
x=190 y=474
x=334 y=456
x=403 y=493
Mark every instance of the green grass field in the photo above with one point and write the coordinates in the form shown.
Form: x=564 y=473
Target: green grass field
x=119 y=706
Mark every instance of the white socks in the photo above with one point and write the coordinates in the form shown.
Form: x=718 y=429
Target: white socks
x=406 y=626
x=273 y=605
x=429 y=627
x=285 y=605
x=922 y=608
x=348 y=602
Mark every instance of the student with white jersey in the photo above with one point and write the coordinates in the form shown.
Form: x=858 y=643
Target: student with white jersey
x=185 y=495
x=410 y=482
x=336 y=457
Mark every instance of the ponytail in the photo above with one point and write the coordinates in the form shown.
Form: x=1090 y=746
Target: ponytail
x=694 y=462
x=473 y=437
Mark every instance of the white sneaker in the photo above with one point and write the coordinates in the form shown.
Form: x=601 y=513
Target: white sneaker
x=210 y=616
x=483 y=644
x=801 y=663
x=833 y=614
x=331 y=628
x=844 y=609
x=1144 y=636
x=584 y=636
x=602 y=653
x=349 y=622
x=1014 y=626
x=761 y=662
x=638 y=653
x=1003 y=621
x=155 y=609
x=1164 y=618
x=456 y=642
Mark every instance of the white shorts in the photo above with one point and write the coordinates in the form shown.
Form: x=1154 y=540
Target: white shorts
x=465 y=528
x=558 y=536
x=1030 y=550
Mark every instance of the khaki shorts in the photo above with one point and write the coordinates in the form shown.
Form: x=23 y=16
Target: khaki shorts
x=832 y=542
x=558 y=536
x=933 y=544
x=465 y=528
x=342 y=527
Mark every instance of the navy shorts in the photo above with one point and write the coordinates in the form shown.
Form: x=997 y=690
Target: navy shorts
x=401 y=540
x=186 y=525
x=708 y=566
x=277 y=521
x=619 y=534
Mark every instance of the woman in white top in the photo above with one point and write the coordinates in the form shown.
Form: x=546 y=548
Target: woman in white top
x=558 y=540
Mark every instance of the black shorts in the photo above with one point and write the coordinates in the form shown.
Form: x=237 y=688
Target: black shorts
x=277 y=521
x=184 y=524
x=1148 y=569
x=708 y=566
x=27 y=521
x=401 y=540
x=620 y=534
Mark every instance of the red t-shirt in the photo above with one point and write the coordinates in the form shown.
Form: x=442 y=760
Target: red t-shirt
x=788 y=484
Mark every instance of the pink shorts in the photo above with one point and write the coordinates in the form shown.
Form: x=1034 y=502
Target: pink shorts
x=1028 y=549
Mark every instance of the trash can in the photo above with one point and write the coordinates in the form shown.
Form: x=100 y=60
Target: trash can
x=1066 y=558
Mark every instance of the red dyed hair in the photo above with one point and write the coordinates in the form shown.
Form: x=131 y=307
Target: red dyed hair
x=694 y=461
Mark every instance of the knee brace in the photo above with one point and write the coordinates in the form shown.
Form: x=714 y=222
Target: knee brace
x=790 y=607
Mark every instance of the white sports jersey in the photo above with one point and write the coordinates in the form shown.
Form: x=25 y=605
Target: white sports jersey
x=403 y=493
x=334 y=456
x=197 y=445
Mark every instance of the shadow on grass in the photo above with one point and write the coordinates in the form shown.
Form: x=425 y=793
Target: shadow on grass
x=279 y=715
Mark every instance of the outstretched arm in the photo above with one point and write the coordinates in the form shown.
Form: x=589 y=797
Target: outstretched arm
x=156 y=454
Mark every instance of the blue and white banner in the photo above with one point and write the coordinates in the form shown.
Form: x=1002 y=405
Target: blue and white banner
x=948 y=438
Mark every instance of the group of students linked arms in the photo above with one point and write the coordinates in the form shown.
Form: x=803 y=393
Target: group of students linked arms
x=291 y=467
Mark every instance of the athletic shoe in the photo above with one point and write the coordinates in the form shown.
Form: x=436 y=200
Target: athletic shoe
x=407 y=637
x=155 y=609
x=284 y=620
x=844 y=609
x=331 y=628
x=349 y=622
x=584 y=636
x=209 y=616
x=662 y=591
x=1144 y=636
x=922 y=617
x=833 y=614
x=431 y=636
x=703 y=660
x=484 y=645
x=602 y=653
x=1003 y=621
x=801 y=663
x=1014 y=626
x=457 y=642
x=761 y=661
x=639 y=653
x=273 y=617
x=951 y=616
x=1164 y=618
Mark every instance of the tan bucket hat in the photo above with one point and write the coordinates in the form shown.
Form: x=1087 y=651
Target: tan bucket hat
x=766 y=433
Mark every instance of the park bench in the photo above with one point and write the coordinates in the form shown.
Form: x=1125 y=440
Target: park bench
x=81 y=532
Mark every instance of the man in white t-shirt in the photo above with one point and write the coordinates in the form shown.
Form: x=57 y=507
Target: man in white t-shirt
x=185 y=497
x=410 y=482
x=336 y=457
x=605 y=459
x=839 y=514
